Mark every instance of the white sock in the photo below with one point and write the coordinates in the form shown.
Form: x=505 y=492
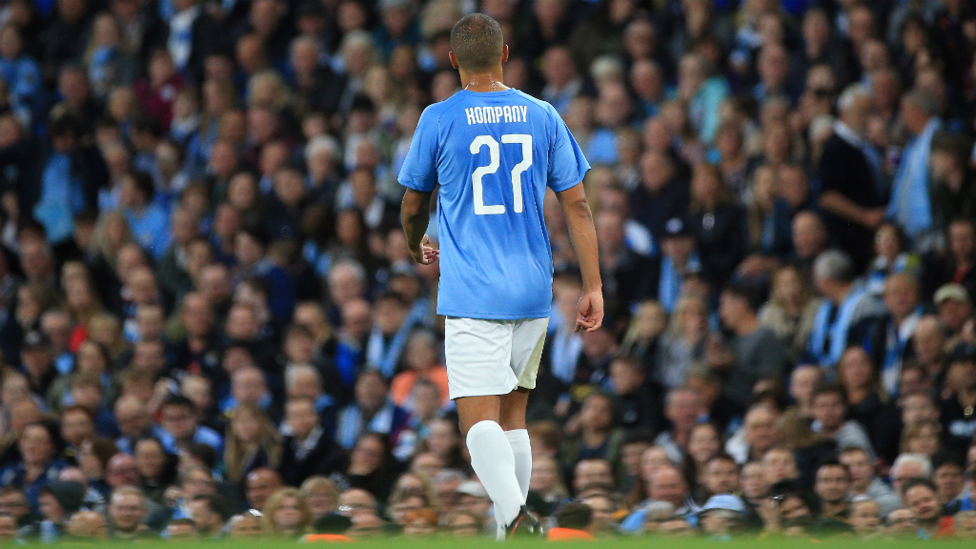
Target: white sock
x=494 y=462
x=522 y=448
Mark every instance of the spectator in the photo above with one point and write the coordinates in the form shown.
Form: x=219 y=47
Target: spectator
x=911 y=204
x=308 y=450
x=865 y=483
x=756 y=351
x=845 y=305
x=830 y=411
x=259 y=486
x=126 y=510
x=851 y=185
x=921 y=498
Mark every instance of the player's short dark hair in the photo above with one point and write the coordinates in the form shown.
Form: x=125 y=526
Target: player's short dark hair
x=477 y=42
x=574 y=515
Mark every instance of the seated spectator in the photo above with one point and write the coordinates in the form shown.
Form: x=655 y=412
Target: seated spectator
x=180 y=420
x=829 y=413
x=372 y=410
x=308 y=450
x=921 y=497
x=846 y=302
x=87 y=525
x=908 y=467
x=667 y=485
x=956 y=417
x=574 y=521
x=251 y=442
x=832 y=486
x=865 y=483
x=755 y=350
x=424 y=363
x=286 y=515
x=865 y=518
x=259 y=486
x=126 y=511
x=594 y=432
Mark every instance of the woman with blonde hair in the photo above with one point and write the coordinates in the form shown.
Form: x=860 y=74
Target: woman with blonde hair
x=267 y=89
x=321 y=495
x=112 y=232
x=791 y=309
x=286 y=514
x=108 y=56
x=922 y=437
x=685 y=342
x=251 y=442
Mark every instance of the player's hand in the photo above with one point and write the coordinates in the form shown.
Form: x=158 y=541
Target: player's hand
x=425 y=254
x=589 y=313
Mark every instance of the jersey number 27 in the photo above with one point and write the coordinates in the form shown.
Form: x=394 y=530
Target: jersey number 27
x=493 y=152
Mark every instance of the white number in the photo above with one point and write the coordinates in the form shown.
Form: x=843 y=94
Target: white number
x=479 y=196
x=492 y=167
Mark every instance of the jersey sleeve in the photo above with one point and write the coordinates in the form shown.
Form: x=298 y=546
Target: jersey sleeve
x=419 y=169
x=567 y=166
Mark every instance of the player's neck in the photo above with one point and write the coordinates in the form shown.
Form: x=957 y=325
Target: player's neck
x=481 y=82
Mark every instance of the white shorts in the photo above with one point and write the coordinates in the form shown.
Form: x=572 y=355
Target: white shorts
x=492 y=357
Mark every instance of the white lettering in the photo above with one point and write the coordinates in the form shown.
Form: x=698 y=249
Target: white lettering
x=525 y=112
x=508 y=113
x=498 y=114
x=479 y=116
x=470 y=114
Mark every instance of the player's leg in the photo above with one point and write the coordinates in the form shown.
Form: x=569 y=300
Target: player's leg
x=527 y=343
x=512 y=418
x=478 y=353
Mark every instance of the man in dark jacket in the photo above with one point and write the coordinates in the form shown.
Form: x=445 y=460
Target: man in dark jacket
x=308 y=450
x=851 y=181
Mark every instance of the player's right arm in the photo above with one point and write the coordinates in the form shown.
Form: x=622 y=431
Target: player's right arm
x=415 y=215
x=419 y=175
x=582 y=232
x=566 y=169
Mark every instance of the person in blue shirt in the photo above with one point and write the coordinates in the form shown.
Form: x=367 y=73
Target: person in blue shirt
x=494 y=151
x=149 y=222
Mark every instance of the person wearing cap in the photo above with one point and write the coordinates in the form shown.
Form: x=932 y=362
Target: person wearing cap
x=955 y=307
x=680 y=258
x=846 y=304
x=958 y=411
x=721 y=514
x=37 y=359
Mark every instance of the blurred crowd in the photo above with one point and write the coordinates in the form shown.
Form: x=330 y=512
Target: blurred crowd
x=210 y=325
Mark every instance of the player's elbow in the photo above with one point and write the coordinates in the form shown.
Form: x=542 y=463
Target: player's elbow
x=577 y=207
x=413 y=203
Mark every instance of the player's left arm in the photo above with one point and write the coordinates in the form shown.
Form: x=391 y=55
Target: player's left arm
x=582 y=232
x=415 y=215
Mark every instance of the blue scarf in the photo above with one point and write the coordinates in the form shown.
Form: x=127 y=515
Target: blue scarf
x=352 y=424
x=385 y=358
x=894 y=352
x=837 y=331
x=910 y=204
x=669 y=287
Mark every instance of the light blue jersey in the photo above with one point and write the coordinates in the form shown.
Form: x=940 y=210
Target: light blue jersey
x=493 y=155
